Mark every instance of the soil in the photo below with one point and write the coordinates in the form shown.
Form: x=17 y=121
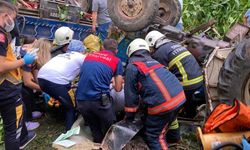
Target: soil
x=50 y=129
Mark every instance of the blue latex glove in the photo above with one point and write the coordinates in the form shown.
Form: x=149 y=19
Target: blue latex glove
x=46 y=97
x=29 y=58
x=246 y=145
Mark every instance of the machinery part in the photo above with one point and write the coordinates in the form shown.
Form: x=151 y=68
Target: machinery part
x=228 y=145
x=132 y=15
x=234 y=77
x=120 y=134
x=211 y=74
x=212 y=140
x=170 y=11
x=203 y=27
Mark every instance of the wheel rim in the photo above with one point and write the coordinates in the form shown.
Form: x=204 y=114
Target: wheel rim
x=246 y=98
x=164 y=11
x=130 y=8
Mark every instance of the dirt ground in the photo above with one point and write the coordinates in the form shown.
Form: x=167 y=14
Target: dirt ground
x=50 y=129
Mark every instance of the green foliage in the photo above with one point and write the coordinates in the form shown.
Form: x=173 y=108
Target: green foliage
x=225 y=12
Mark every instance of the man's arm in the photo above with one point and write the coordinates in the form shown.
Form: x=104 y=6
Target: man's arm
x=7 y=66
x=131 y=92
x=28 y=80
x=118 y=77
x=94 y=21
x=95 y=7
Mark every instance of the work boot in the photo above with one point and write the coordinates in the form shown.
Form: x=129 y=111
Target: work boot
x=31 y=137
x=32 y=125
x=36 y=114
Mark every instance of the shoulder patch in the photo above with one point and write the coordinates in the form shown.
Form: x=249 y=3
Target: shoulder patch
x=2 y=38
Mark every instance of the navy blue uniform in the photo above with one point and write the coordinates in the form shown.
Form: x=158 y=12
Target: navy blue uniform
x=161 y=93
x=185 y=67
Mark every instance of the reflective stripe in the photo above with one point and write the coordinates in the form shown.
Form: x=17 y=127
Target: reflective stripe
x=168 y=105
x=72 y=97
x=174 y=125
x=170 y=102
x=131 y=109
x=162 y=138
x=177 y=61
x=178 y=58
x=19 y=113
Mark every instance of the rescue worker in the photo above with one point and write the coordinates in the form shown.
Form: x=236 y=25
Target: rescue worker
x=100 y=18
x=11 y=105
x=93 y=92
x=55 y=78
x=159 y=89
x=63 y=36
x=182 y=64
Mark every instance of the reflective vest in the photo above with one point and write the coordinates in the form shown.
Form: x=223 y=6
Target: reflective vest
x=169 y=102
x=180 y=62
x=177 y=62
x=13 y=76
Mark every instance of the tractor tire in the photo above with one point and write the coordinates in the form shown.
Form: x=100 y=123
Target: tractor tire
x=170 y=11
x=234 y=77
x=134 y=16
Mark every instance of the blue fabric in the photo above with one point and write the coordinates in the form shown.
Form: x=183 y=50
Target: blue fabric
x=60 y=92
x=95 y=78
x=76 y=46
x=155 y=125
x=102 y=30
x=247 y=15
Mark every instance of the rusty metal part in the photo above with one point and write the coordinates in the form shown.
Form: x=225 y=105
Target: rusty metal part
x=131 y=8
x=203 y=27
x=237 y=33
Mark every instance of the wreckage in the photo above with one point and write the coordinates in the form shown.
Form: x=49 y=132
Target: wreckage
x=226 y=62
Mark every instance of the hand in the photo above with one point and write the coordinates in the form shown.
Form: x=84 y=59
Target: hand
x=29 y=58
x=46 y=97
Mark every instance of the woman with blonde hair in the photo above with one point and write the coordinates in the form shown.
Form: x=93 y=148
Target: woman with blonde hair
x=30 y=80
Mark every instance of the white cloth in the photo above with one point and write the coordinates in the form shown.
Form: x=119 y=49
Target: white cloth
x=63 y=68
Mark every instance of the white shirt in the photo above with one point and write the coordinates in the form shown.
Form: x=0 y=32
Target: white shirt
x=63 y=68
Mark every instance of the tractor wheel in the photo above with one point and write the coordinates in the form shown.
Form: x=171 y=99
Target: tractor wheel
x=133 y=15
x=170 y=11
x=234 y=77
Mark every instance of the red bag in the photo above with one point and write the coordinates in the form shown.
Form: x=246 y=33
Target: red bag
x=227 y=118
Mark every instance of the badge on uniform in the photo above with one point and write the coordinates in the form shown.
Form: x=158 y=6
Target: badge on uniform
x=2 y=38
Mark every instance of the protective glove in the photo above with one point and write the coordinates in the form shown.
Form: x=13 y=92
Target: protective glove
x=46 y=97
x=30 y=57
x=246 y=145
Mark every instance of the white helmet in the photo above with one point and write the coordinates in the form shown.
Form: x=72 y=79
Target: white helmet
x=137 y=44
x=63 y=35
x=152 y=37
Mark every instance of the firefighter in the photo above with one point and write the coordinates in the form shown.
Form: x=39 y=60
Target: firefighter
x=11 y=104
x=160 y=90
x=63 y=36
x=183 y=65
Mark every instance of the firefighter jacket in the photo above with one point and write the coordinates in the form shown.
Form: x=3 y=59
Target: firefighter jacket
x=159 y=89
x=180 y=62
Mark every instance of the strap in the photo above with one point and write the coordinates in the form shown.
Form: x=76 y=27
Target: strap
x=178 y=58
x=145 y=69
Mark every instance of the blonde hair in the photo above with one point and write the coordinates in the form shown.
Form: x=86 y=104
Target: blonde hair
x=43 y=54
